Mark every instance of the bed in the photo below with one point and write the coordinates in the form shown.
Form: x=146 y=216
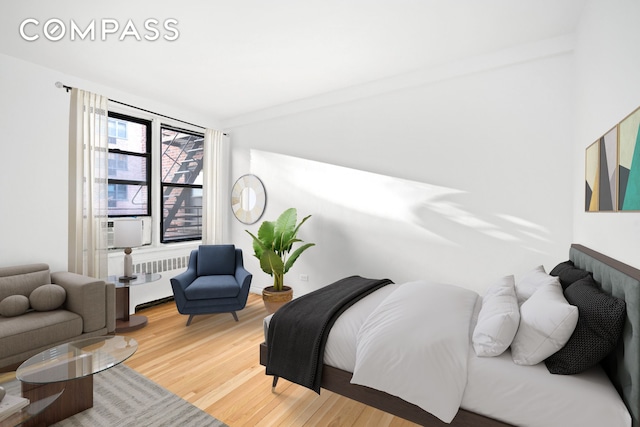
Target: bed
x=606 y=394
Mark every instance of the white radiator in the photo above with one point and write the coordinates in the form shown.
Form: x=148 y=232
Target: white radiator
x=166 y=262
x=160 y=265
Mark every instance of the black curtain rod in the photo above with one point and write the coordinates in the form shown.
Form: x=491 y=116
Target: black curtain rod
x=68 y=89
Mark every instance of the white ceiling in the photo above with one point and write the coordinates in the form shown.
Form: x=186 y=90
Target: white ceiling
x=234 y=57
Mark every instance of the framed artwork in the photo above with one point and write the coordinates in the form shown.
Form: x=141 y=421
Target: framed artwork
x=592 y=192
x=629 y=163
x=607 y=174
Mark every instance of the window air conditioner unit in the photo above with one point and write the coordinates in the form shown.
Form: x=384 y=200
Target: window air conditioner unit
x=146 y=230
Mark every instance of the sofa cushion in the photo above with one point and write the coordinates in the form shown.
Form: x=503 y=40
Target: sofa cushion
x=85 y=296
x=216 y=259
x=47 y=297
x=14 y=305
x=22 y=280
x=207 y=287
x=18 y=334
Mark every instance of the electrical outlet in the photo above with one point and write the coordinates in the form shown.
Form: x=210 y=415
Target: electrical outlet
x=304 y=277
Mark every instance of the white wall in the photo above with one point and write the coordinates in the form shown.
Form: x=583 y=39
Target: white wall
x=463 y=179
x=34 y=121
x=607 y=90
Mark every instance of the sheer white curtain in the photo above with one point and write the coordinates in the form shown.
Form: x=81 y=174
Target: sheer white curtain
x=88 y=174
x=215 y=197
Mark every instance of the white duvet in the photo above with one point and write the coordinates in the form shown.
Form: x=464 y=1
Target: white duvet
x=418 y=335
x=527 y=396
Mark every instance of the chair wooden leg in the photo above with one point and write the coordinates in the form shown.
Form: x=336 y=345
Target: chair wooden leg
x=190 y=318
x=235 y=316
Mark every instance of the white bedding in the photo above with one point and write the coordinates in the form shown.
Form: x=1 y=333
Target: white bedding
x=418 y=335
x=529 y=396
x=498 y=388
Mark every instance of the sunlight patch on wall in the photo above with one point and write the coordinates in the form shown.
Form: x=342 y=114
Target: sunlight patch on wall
x=442 y=214
x=369 y=194
x=357 y=190
x=527 y=228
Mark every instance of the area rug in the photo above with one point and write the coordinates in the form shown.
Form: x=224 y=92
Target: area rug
x=123 y=397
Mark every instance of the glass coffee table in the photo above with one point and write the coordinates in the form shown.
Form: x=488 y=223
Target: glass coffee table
x=31 y=410
x=69 y=369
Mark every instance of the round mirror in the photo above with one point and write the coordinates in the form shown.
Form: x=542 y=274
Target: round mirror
x=248 y=199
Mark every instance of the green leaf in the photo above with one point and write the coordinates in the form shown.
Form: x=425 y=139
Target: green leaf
x=284 y=229
x=301 y=222
x=266 y=234
x=258 y=247
x=294 y=256
x=271 y=263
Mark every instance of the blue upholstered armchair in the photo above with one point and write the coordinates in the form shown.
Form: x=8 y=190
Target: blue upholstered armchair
x=215 y=282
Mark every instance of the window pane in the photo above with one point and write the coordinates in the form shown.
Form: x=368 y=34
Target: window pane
x=127 y=167
x=181 y=157
x=111 y=127
x=181 y=213
x=121 y=129
x=127 y=136
x=127 y=199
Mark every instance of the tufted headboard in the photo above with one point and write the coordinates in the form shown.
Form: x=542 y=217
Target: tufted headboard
x=622 y=281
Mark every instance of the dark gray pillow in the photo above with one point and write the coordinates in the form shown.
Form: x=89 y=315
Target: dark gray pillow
x=568 y=273
x=600 y=322
x=561 y=267
x=47 y=297
x=14 y=305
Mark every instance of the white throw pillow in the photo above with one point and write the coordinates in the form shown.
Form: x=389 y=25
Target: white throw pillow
x=528 y=284
x=498 y=319
x=547 y=321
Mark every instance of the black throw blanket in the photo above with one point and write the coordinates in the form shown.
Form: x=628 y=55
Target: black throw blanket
x=298 y=331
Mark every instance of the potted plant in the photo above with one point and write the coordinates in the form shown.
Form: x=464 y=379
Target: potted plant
x=273 y=247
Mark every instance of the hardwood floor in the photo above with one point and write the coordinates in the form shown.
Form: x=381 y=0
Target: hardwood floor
x=213 y=364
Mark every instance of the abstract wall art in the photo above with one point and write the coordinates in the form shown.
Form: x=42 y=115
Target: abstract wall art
x=629 y=163
x=607 y=170
x=591 y=178
x=612 y=168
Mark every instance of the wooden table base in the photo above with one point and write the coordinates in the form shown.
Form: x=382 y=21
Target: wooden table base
x=124 y=321
x=77 y=396
x=134 y=322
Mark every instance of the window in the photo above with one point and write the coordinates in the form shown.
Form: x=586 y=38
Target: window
x=117 y=129
x=181 y=182
x=117 y=192
x=129 y=166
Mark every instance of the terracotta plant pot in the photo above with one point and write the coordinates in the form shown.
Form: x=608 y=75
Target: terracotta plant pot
x=273 y=300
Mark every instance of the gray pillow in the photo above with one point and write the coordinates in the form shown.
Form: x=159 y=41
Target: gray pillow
x=47 y=297
x=14 y=305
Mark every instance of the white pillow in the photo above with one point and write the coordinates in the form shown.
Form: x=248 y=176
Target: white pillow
x=498 y=319
x=547 y=321
x=532 y=281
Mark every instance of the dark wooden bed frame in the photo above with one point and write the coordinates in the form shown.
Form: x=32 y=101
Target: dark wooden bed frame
x=338 y=381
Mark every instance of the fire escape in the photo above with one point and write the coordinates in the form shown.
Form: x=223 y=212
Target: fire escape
x=181 y=164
